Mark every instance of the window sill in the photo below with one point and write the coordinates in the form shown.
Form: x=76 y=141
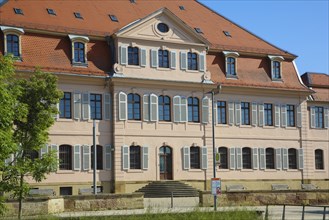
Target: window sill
x=277 y=80
x=246 y=126
x=222 y=125
x=247 y=170
x=291 y=128
x=269 y=127
x=320 y=171
x=195 y=170
x=79 y=64
x=231 y=76
x=223 y=170
x=65 y=172
x=319 y=128
x=64 y=120
x=133 y=66
x=135 y=171
x=271 y=170
x=164 y=69
x=193 y=71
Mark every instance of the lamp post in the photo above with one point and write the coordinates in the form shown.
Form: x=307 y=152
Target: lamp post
x=95 y=157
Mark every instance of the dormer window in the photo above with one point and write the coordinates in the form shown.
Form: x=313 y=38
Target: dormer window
x=79 y=50
x=276 y=67
x=231 y=64
x=12 y=41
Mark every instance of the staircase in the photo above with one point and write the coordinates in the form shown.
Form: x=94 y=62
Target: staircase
x=164 y=189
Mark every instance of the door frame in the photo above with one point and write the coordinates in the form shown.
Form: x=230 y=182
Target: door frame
x=162 y=155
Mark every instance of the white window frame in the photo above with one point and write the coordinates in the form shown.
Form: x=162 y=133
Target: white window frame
x=235 y=55
x=15 y=31
x=276 y=59
x=79 y=39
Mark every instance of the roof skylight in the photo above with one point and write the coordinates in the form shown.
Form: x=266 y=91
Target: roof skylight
x=181 y=7
x=198 y=30
x=114 y=18
x=227 y=34
x=78 y=15
x=51 y=11
x=18 y=11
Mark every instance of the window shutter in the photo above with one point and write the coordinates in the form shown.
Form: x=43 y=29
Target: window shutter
x=278 y=162
x=107 y=106
x=77 y=162
x=56 y=115
x=186 y=152
x=312 y=117
x=277 y=115
x=284 y=158
x=232 y=158
x=238 y=152
x=154 y=58
x=145 y=163
x=183 y=60
x=255 y=158
x=146 y=107
x=173 y=60
x=201 y=62
x=86 y=157
x=254 y=114
x=231 y=113
x=54 y=148
x=262 y=158
x=326 y=117
x=43 y=150
x=204 y=158
x=300 y=158
x=183 y=109
x=123 y=55
x=125 y=157
x=154 y=107
x=261 y=115
x=77 y=105
x=176 y=103
x=108 y=157
x=205 y=110
x=122 y=106
x=85 y=106
x=299 y=116
x=283 y=116
x=142 y=57
x=237 y=113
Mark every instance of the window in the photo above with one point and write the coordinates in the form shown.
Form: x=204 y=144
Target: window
x=96 y=106
x=290 y=115
x=268 y=114
x=227 y=34
x=65 y=106
x=192 y=59
x=181 y=7
x=133 y=56
x=135 y=157
x=245 y=113
x=99 y=157
x=223 y=157
x=319 y=122
x=163 y=58
x=319 y=165
x=51 y=11
x=198 y=30
x=231 y=63
x=164 y=108
x=65 y=191
x=114 y=18
x=162 y=27
x=221 y=112
x=193 y=109
x=195 y=157
x=78 y=15
x=13 y=44
x=292 y=158
x=79 y=52
x=134 y=107
x=276 y=68
x=65 y=157
x=18 y=11
x=246 y=158
x=230 y=66
x=269 y=158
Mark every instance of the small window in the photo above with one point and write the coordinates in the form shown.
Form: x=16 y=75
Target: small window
x=65 y=191
x=181 y=7
x=319 y=117
x=65 y=106
x=18 y=11
x=290 y=115
x=132 y=1
x=96 y=106
x=269 y=158
x=162 y=27
x=223 y=157
x=78 y=15
x=51 y=11
x=163 y=58
x=164 y=108
x=195 y=157
x=246 y=158
x=65 y=157
x=245 y=113
x=79 y=52
x=99 y=157
x=276 y=68
x=133 y=56
x=134 y=107
x=268 y=114
x=13 y=44
x=114 y=18
x=230 y=66
x=292 y=158
x=319 y=159
x=227 y=34
x=192 y=61
x=198 y=30
x=135 y=157
x=193 y=109
x=221 y=112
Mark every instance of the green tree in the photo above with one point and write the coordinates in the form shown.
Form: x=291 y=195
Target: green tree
x=35 y=101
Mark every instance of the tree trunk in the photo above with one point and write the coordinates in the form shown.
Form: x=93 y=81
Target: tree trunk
x=20 y=197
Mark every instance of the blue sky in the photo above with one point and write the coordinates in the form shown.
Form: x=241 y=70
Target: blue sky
x=298 y=26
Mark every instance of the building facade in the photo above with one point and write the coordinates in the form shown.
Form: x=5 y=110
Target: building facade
x=144 y=71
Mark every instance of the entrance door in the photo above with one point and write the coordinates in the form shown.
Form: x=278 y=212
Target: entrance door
x=165 y=163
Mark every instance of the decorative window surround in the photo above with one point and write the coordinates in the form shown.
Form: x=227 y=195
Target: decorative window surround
x=276 y=75
x=79 y=39
x=228 y=69
x=13 y=31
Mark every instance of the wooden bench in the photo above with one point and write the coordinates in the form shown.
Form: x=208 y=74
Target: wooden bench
x=280 y=187
x=235 y=188
x=309 y=187
x=42 y=192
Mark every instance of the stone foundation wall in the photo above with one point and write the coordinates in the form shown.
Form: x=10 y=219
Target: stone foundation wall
x=254 y=198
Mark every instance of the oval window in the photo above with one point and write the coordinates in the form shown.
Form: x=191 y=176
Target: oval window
x=162 y=27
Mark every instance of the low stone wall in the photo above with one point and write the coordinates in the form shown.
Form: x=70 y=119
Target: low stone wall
x=254 y=198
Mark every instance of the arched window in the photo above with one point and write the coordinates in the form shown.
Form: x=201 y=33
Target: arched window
x=230 y=66
x=269 y=158
x=193 y=109
x=79 y=52
x=246 y=158
x=164 y=108
x=135 y=157
x=65 y=157
x=133 y=56
x=195 y=157
x=163 y=58
x=319 y=165
x=192 y=59
x=223 y=157
x=292 y=158
x=99 y=157
x=13 y=44
x=276 y=68
x=134 y=106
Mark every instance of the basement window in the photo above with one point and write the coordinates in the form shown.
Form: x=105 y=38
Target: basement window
x=18 y=11
x=198 y=30
x=181 y=7
x=78 y=15
x=114 y=18
x=227 y=34
x=51 y=11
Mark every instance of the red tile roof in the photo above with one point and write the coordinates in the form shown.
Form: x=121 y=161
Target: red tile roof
x=319 y=82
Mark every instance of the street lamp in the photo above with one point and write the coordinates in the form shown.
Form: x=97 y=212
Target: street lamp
x=95 y=157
